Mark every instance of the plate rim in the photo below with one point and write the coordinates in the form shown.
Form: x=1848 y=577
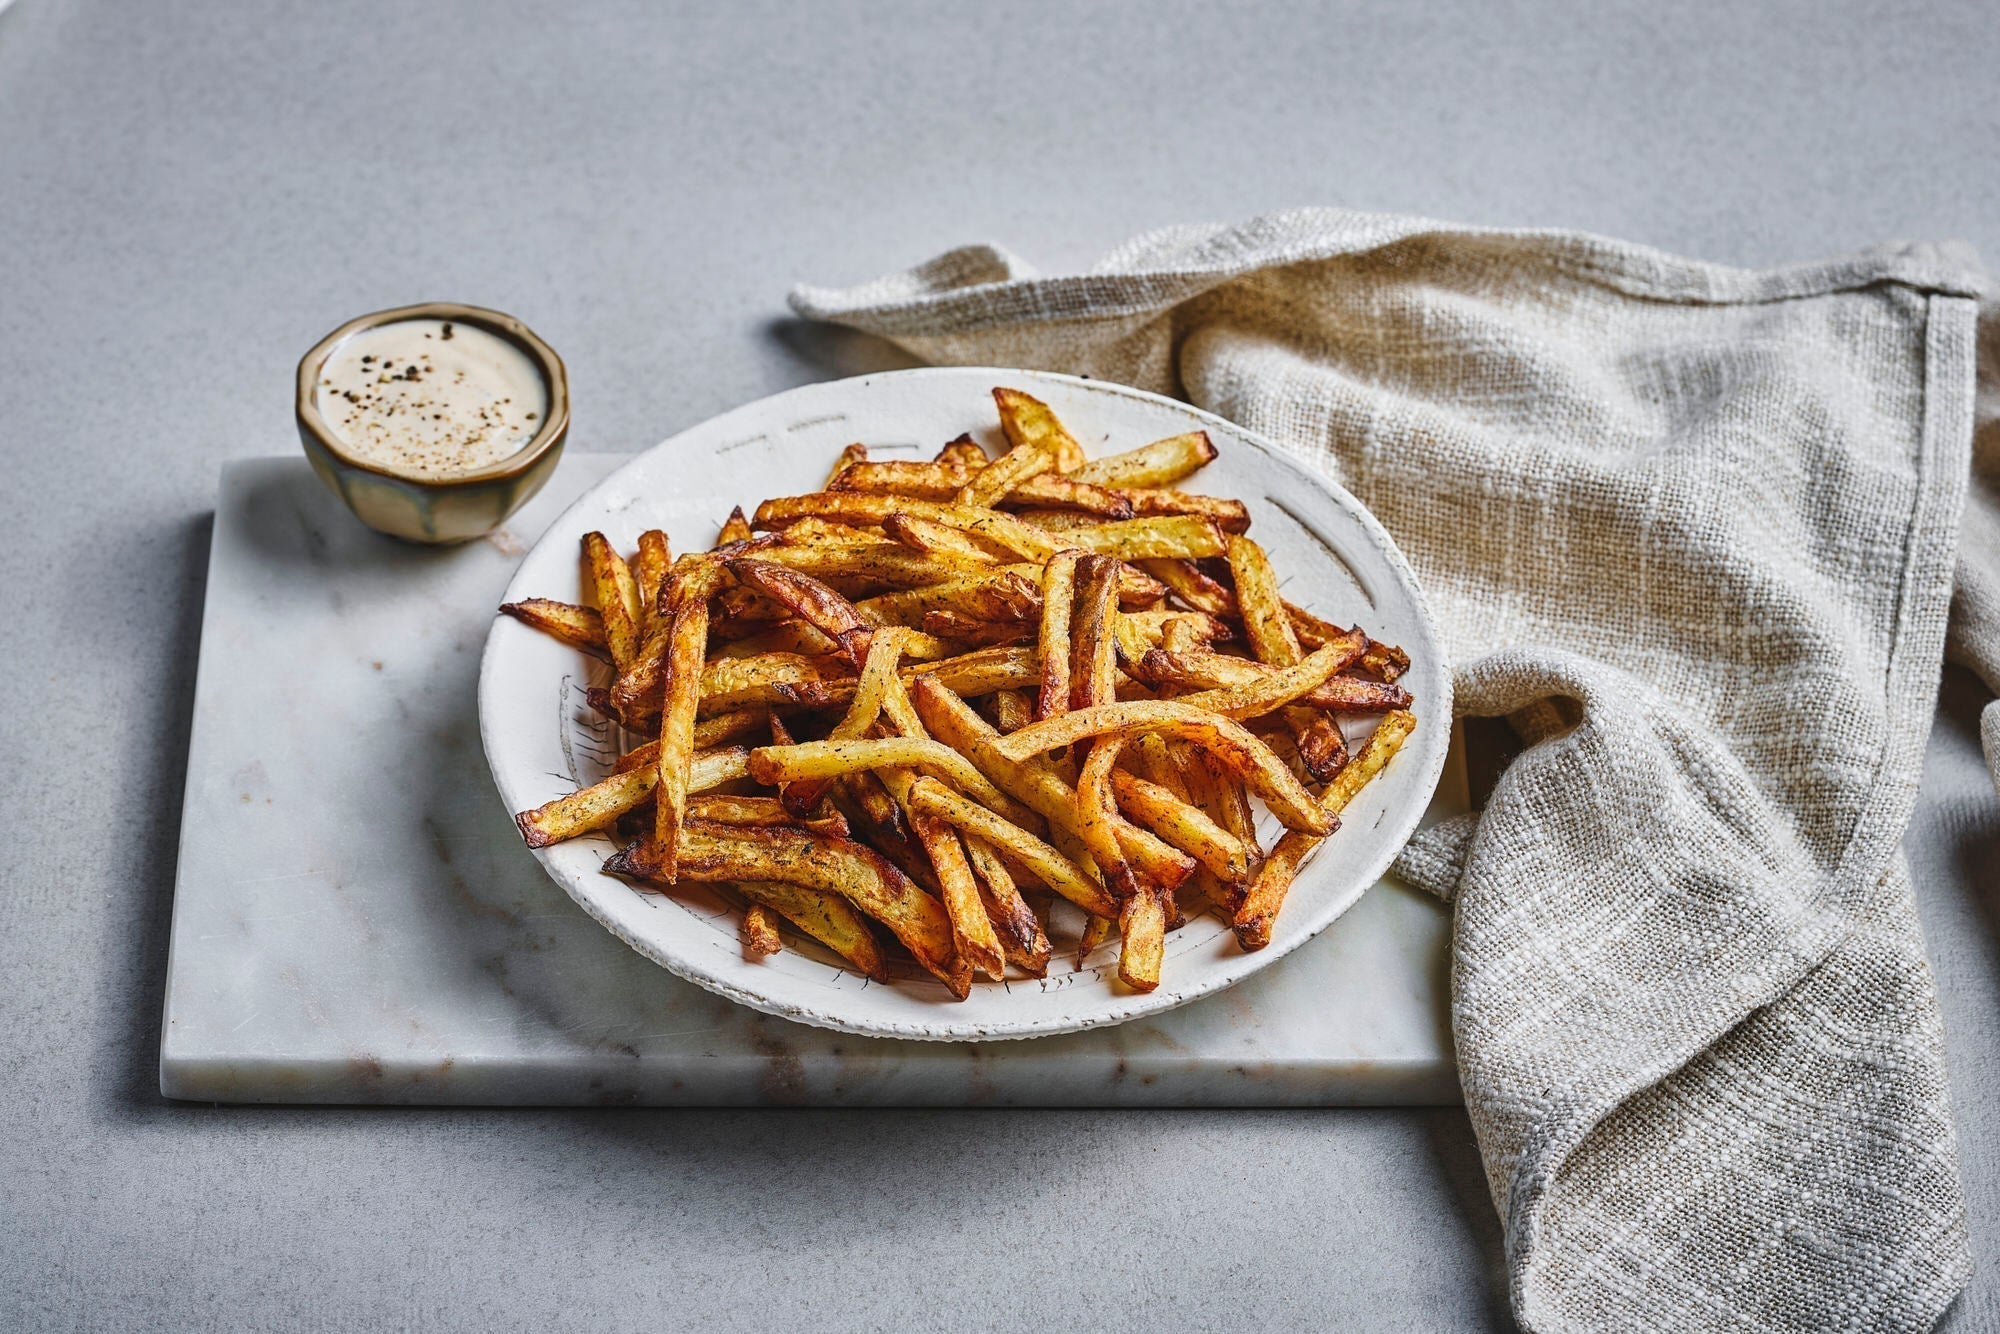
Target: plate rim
x=1435 y=741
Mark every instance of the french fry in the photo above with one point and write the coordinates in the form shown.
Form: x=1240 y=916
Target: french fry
x=999 y=595
x=1259 y=911
x=1185 y=826
x=964 y=451
x=1010 y=841
x=735 y=528
x=816 y=604
x=1011 y=710
x=1097 y=819
x=616 y=595
x=1022 y=939
x=729 y=685
x=1161 y=463
x=850 y=457
x=928 y=535
x=1269 y=629
x=688 y=645
x=1093 y=663
x=830 y=759
x=1142 y=920
x=759 y=931
x=1215 y=672
x=599 y=805
x=966 y=632
x=579 y=627
x=971 y=929
x=825 y=917
x=1096 y=931
x=1029 y=421
x=650 y=567
x=1231 y=516
x=825 y=532
x=1053 y=647
x=837 y=866
x=942 y=482
x=1192 y=587
x=1034 y=784
x=1247 y=757
x=877 y=563
x=997 y=480
x=1177 y=536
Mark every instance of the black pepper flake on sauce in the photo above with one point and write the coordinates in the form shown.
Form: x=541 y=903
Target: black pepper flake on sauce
x=446 y=333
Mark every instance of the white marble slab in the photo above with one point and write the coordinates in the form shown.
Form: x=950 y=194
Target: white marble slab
x=356 y=920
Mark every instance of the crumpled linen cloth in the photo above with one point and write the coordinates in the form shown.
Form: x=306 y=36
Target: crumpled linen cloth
x=1693 y=530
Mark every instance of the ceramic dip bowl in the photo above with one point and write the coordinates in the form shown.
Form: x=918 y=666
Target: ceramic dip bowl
x=446 y=506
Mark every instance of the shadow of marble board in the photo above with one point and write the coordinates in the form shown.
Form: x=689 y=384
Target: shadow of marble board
x=356 y=921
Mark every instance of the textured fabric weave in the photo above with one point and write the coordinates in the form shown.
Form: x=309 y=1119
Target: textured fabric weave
x=1692 y=529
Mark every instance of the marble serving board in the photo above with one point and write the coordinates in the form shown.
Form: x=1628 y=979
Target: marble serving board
x=355 y=919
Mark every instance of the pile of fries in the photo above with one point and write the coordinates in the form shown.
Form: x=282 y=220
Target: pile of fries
x=939 y=697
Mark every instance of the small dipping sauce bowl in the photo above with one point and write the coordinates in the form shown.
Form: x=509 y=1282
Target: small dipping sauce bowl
x=421 y=504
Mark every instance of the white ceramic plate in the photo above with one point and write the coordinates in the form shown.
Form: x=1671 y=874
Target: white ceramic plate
x=542 y=741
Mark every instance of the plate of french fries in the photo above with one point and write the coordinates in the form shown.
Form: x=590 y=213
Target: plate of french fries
x=965 y=704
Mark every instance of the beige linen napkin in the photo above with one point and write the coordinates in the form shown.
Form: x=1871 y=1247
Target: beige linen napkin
x=1693 y=530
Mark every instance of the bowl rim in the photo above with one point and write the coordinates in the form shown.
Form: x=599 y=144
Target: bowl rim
x=555 y=420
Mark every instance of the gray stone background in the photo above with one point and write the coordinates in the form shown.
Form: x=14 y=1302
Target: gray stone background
x=191 y=194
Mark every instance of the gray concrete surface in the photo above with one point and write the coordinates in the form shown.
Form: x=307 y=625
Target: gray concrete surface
x=190 y=195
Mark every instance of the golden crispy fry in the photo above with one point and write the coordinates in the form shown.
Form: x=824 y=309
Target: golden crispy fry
x=1183 y=634
x=997 y=480
x=1231 y=516
x=851 y=456
x=636 y=694
x=1053 y=649
x=831 y=865
x=927 y=535
x=964 y=451
x=599 y=805
x=1185 y=826
x=971 y=929
x=825 y=532
x=825 y=917
x=830 y=759
x=1192 y=587
x=1059 y=873
x=942 y=482
x=996 y=596
x=1022 y=939
x=579 y=627
x=1034 y=784
x=1218 y=672
x=1142 y=920
x=980 y=672
x=729 y=685
x=1161 y=463
x=881 y=564
x=617 y=597
x=1097 y=818
x=1093 y=664
x=1270 y=688
x=688 y=646
x=719 y=808
x=1246 y=756
x=759 y=931
x=819 y=606
x=735 y=528
x=1028 y=421
x=1096 y=931
x=1011 y=710
x=1268 y=626
x=1260 y=906
x=1179 y=536
x=650 y=567
x=968 y=633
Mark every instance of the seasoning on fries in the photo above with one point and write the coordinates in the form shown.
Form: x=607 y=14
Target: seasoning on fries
x=966 y=714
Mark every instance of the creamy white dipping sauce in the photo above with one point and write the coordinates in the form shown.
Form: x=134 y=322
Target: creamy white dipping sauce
x=431 y=397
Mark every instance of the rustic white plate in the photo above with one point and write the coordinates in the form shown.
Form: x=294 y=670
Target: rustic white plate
x=542 y=740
